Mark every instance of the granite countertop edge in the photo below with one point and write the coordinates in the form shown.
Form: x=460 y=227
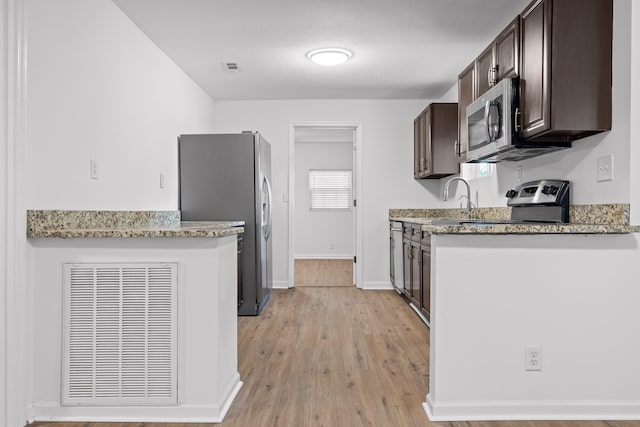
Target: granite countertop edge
x=184 y=229
x=70 y=224
x=570 y=228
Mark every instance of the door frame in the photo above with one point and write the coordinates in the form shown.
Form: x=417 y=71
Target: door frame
x=357 y=193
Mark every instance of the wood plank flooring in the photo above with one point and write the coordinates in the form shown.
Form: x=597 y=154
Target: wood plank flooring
x=323 y=272
x=336 y=357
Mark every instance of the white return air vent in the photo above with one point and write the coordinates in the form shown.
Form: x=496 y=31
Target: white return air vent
x=120 y=334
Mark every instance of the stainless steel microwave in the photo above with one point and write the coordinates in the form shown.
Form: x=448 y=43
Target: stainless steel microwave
x=492 y=127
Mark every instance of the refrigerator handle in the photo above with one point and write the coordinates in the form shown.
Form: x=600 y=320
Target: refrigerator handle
x=267 y=210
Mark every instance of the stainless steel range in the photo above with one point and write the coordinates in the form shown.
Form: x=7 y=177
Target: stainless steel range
x=542 y=201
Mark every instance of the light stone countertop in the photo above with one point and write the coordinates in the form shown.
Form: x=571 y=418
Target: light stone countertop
x=119 y=224
x=607 y=219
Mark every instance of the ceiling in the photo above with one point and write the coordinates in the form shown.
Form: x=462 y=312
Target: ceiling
x=402 y=49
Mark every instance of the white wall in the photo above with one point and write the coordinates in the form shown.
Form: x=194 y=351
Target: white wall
x=635 y=112
x=4 y=202
x=99 y=88
x=578 y=164
x=321 y=234
x=387 y=175
x=13 y=328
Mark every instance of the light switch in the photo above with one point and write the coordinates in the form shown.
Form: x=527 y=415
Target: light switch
x=94 y=169
x=605 y=168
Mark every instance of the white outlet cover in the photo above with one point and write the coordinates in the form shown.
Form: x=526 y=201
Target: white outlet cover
x=605 y=168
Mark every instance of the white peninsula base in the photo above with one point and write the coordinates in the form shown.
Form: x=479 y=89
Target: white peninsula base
x=575 y=296
x=207 y=367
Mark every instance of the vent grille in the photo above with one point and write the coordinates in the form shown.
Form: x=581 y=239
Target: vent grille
x=120 y=334
x=232 y=67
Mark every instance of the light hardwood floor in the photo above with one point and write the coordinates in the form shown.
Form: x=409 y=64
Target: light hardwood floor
x=336 y=357
x=323 y=272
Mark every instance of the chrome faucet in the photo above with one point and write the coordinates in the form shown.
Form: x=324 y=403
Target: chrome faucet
x=445 y=196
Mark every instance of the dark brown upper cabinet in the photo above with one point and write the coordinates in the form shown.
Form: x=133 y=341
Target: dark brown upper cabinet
x=484 y=70
x=435 y=135
x=500 y=59
x=466 y=95
x=565 y=73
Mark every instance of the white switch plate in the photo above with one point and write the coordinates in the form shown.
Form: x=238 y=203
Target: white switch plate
x=519 y=169
x=605 y=168
x=94 y=169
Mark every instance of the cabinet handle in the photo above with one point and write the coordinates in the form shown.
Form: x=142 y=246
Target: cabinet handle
x=516 y=122
x=492 y=76
x=456 y=148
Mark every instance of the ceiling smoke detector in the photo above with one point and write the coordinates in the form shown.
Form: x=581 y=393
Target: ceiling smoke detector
x=232 y=67
x=330 y=56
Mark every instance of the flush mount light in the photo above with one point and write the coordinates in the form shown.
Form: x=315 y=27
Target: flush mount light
x=329 y=56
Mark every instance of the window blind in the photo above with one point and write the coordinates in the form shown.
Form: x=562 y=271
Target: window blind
x=330 y=189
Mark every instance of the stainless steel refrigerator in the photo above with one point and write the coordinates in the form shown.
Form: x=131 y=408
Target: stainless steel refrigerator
x=228 y=177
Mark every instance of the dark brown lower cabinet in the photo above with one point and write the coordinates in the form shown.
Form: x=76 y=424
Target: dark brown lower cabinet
x=425 y=275
x=407 y=266
x=416 y=292
x=417 y=267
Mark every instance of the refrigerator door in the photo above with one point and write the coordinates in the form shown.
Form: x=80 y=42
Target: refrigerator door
x=264 y=162
x=221 y=178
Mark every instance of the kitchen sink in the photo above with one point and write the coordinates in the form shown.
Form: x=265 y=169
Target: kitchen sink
x=447 y=221
x=479 y=222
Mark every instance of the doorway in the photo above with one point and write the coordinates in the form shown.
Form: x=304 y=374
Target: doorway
x=323 y=212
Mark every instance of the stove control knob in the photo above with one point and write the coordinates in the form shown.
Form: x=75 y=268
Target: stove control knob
x=550 y=189
x=511 y=193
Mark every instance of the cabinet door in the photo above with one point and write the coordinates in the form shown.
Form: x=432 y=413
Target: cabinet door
x=483 y=70
x=466 y=95
x=420 y=152
x=416 y=147
x=427 y=141
x=507 y=49
x=416 y=293
x=425 y=282
x=407 y=266
x=535 y=45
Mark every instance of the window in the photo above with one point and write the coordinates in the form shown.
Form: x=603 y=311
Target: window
x=329 y=189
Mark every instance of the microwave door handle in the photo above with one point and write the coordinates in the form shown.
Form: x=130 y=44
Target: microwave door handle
x=487 y=106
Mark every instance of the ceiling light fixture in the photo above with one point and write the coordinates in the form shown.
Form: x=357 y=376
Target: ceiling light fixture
x=329 y=56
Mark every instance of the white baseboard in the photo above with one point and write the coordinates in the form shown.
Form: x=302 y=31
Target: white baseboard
x=380 y=286
x=181 y=413
x=280 y=284
x=531 y=410
x=326 y=256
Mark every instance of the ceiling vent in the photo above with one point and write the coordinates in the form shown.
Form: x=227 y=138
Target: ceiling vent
x=231 y=67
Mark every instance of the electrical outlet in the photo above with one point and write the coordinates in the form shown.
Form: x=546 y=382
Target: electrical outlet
x=532 y=358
